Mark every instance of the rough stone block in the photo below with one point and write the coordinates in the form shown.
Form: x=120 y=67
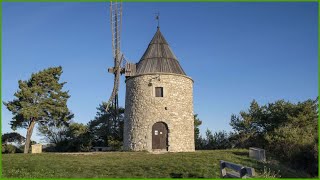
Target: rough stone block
x=36 y=148
x=257 y=153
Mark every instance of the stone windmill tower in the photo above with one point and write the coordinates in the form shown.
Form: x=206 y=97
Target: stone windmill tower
x=159 y=102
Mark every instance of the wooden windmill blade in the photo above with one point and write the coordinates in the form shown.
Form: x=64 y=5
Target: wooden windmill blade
x=116 y=23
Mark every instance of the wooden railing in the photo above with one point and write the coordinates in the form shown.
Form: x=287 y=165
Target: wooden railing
x=239 y=171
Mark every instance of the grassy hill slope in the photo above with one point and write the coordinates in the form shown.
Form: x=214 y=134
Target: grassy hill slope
x=131 y=164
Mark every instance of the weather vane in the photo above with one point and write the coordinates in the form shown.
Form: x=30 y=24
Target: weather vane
x=158 y=18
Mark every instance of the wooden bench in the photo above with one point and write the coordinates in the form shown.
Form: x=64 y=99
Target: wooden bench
x=239 y=171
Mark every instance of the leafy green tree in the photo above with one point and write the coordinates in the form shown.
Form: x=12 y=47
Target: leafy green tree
x=78 y=138
x=209 y=140
x=106 y=128
x=73 y=137
x=9 y=148
x=12 y=137
x=39 y=100
x=288 y=130
x=258 y=121
x=197 y=137
x=221 y=140
x=216 y=140
x=54 y=133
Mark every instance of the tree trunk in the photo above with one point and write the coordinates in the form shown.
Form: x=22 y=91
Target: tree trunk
x=28 y=137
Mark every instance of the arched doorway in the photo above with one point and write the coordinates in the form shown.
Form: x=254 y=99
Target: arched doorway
x=160 y=136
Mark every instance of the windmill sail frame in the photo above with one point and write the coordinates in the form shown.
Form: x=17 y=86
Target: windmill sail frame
x=116 y=25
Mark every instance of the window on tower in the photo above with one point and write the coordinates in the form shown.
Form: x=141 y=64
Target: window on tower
x=159 y=91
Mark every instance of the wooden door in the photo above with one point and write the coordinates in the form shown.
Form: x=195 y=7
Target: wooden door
x=159 y=136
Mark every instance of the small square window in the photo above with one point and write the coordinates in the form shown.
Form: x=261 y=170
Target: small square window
x=159 y=91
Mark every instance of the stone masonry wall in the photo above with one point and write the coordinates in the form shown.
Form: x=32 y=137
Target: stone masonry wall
x=143 y=109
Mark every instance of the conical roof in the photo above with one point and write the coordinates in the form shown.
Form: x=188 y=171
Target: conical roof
x=159 y=58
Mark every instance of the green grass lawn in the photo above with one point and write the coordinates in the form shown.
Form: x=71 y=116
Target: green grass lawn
x=131 y=164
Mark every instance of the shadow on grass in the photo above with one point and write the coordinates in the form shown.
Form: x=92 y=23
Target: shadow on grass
x=241 y=153
x=189 y=175
x=248 y=161
x=176 y=175
x=194 y=176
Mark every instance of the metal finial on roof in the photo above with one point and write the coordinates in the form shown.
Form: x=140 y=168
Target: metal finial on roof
x=158 y=19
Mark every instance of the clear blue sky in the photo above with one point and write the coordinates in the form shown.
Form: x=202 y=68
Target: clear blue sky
x=235 y=52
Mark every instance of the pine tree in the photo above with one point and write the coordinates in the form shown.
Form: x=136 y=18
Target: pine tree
x=39 y=100
x=107 y=126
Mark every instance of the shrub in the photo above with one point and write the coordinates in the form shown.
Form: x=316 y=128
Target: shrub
x=9 y=149
x=296 y=146
x=268 y=173
x=289 y=131
x=114 y=143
